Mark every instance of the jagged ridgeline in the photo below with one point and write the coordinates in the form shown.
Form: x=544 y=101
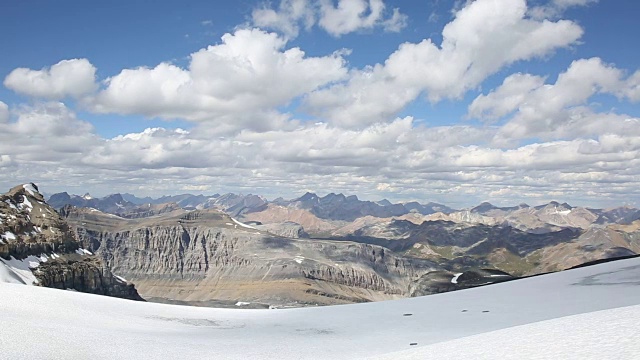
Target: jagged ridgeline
x=37 y=247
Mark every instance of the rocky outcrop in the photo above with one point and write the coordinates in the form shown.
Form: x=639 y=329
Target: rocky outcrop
x=29 y=227
x=286 y=229
x=442 y=281
x=87 y=275
x=148 y=210
x=351 y=277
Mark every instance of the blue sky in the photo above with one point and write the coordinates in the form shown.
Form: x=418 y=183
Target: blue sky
x=450 y=101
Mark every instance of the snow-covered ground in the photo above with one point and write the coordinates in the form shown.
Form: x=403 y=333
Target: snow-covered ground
x=545 y=317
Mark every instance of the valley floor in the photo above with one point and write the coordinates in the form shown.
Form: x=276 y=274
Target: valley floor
x=590 y=312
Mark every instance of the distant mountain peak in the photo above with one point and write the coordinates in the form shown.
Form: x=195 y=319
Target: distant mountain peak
x=307 y=197
x=384 y=202
x=483 y=207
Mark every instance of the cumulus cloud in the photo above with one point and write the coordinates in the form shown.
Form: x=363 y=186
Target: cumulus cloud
x=557 y=111
x=555 y=8
x=450 y=164
x=4 y=112
x=6 y=161
x=232 y=83
x=506 y=98
x=242 y=141
x=345 y=17
x=75 y=78
x=485 y=36
x=46 y=132
x=631 y=89
x=353 y=15
x=287 y=19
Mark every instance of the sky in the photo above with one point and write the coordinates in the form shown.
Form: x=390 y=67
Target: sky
x=457 y=102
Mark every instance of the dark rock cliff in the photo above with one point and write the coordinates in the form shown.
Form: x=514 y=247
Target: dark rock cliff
x=88 y=275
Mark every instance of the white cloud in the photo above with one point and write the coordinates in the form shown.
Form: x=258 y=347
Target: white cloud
x=555 y=8
x=345 y=17
x=6 y=161
x=232 y=83
x=47 y=143
x=75 y=77
x=632 y=87
x=560 y=110
x=242 y=142
x=505 y=99
x=396 y=22
x=353 y=15
x=287 y=18
x=485 y=36
x=46 y=132
x=4 y=112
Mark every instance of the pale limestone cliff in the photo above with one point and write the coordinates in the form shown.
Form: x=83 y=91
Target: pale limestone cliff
x=206 y=255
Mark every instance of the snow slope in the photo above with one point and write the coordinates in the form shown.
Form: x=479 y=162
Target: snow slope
x=524 y=319
x=605 y=334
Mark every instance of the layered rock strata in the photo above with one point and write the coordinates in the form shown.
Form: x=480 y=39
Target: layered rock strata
x=205 y=255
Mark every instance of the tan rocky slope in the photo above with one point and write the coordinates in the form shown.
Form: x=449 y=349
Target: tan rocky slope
x=37 y=244
x=460 y=246
x=205 y=255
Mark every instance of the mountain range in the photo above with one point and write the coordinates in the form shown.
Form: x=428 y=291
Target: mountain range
x=332 y=210
x=320 y=240
x=223 y=249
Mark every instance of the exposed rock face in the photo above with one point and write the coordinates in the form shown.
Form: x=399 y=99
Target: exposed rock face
x=86 y=275
x=286 y=229
x=594 y=244
x=277 y=214
x=621 y=215
x=148 y=210
x=442 y=281
x=30 y=227
x=205 y=255
x=459 y=246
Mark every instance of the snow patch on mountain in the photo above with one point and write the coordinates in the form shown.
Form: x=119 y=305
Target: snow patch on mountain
x=81 y=251
x=243 y=224
x=8 y=235
x=19 y=271
x=30 y=189
x=26 y=204
x=454 y=280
